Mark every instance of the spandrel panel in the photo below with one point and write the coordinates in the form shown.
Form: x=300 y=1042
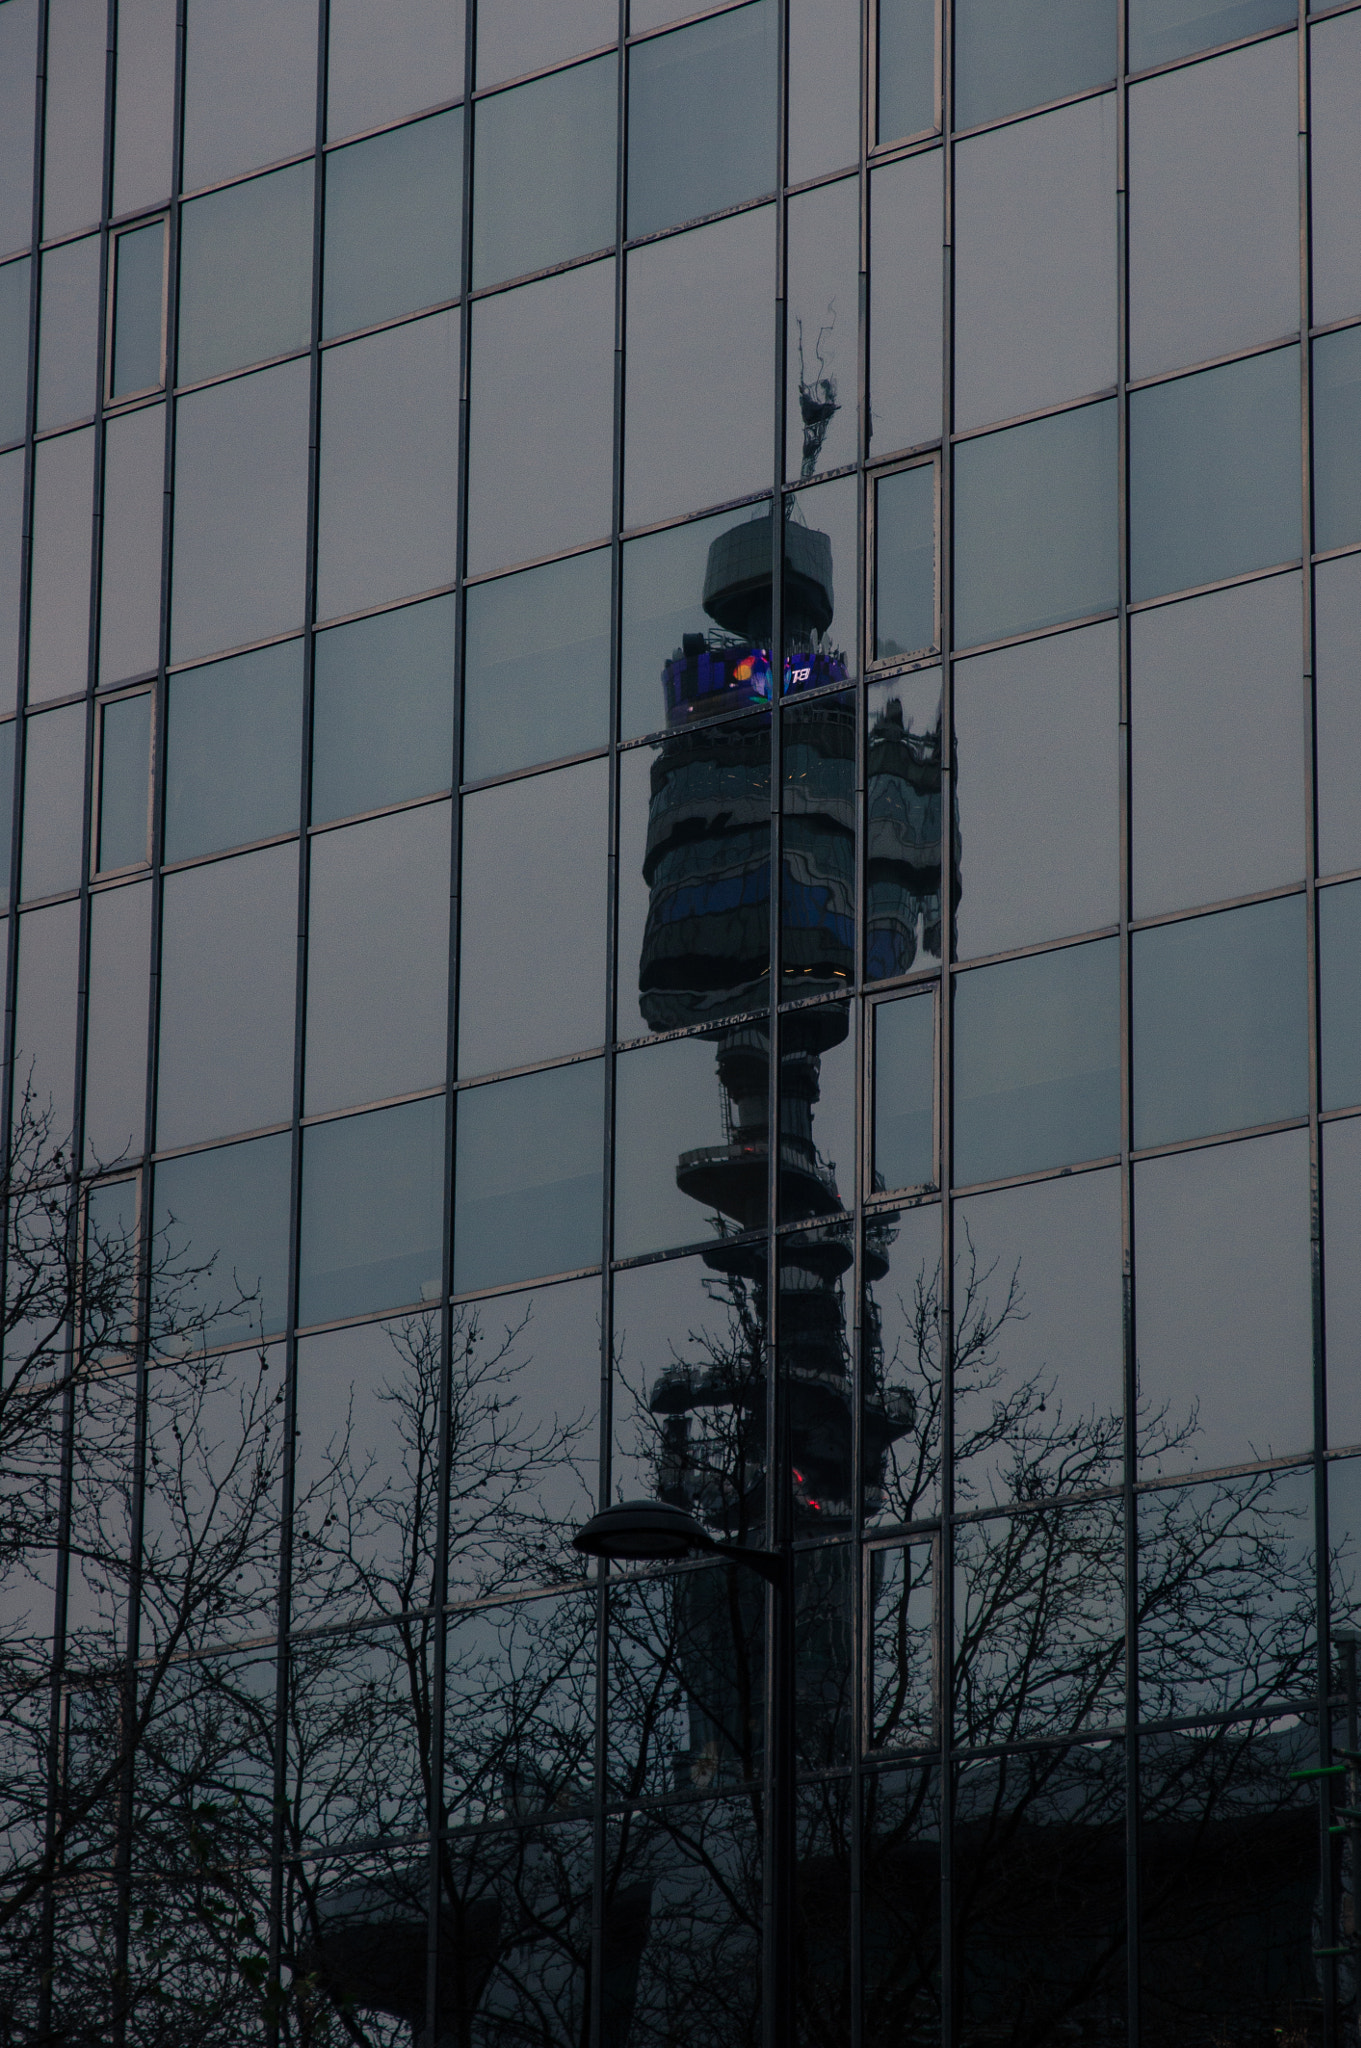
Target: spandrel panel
x=384 y=62
x=54 y=802
x=124 y=783
x=900 y=1366
x=1214 y=466
x=246 y=273
x=1337 y=711
x=383 y=710
x=228 y=961
x=901 y=1911
x=392 y=224
x=1220 y=1032
x=696 y=1640
x=823 y=348
x=11 y=562
x=1335 y=166
x=138 y=333
x=387 y=511
x=528 y=1176
x=818 y=887
x=377 y=959
x=537 y=665
x=823 y=86
x=532 y=921
x=905 y=562
x=18 y=62
x=905 y=68
x=1009 y=57
x=1214 y=208
x=698 y=426
x=1037 y=1080
x=1217 y=766
x=516 y=36
x=233 y=746
x=1035 y=263
x=690 y=1141
x=1037 y=765
x=1337 y=438
x=1222 y=1289
x=230 y=1208
x=240 y=543
x=539 y=464
x=131 y=544
x=905 y=1093
x=666 y=579
x=68 y=333
x=59 y=590
x=904 y=825
x=1339 y=952
x=372 y=1201
x=544 y=164
x=250 y=85
x=116 y=1035
x=1038 y=1364
x=1036 y=524
x=144 y=104
x=907 y=232
x=45 y=1013
x=1342 y=1277
x=14 y=296
x=1162 y=30
x=702 y=107
x=73 y=132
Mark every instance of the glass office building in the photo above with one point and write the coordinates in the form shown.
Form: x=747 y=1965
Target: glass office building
x=681 y=689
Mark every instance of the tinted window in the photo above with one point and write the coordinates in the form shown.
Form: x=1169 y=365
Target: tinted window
x=233 y=747
x=514 y=36
x=54 y=788
x=905 y=562
x=1160 y=30
x=18 y=59
x=1339 y=949
x=383 y=710
x=59 y=593
x=389 y=61
x=68 y=332
x=73 y=154
x=822 y=361
x=1337 y=662
x=1335 y=185
x=230 y=1208
x=537 y=682
x=372 y=1205
x=528 y=1176
x=544 y=171
x=1009 y=56
x=139 y=310
x=1337 y=439
x=905 y=67
x=392 y=224
x=14 y=347
x=250 y=85
x=246 y=274
x=906 y=236
x=904 y=1092
x=702 y=118
x=131 y=544
x=124 y=778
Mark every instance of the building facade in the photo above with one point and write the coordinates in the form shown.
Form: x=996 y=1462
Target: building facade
x=681 y=689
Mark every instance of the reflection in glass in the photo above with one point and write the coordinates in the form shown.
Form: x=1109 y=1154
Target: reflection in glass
x=233 y=742
x=702 y=118
x=900 y=1473
x=227 y=1212
x=905 y=1093
x=818 y=891
x=904 y=1646
x=1008 y=57
x=528 y=1176
x=386 y=62
x=68 y=333
x=905 y=562
x=131 y=544
x=383 y=710
x=905 y=826
x=1344 y=1542
x=245 y=274
x=119 y=975
x=392 y=224
x=665 y=578
x=537 y=656
x=1337 y=438
x=14 y=279
x=372 y=1205
x=906 y=229
x=823 y=296
x=698 y=1637
x=520 y=1713
x=45 y=1011
x=1337 y=702
x=544 y=164
x=355 y=1722
x=138 y=337
x=124 y=779
x=1342 y=1278
x=901 y=1908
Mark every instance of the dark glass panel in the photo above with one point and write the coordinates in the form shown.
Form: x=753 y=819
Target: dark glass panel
x=674 y=1114
x=355 y=1932
x=390 y=61
x=903 y=1622
x=229 y=943
x=697 y=391
x=905 y=1092
x=823 y=1888
x=903 y=860
x=358 y=1712
x=515 y=36
x=1342 y=1277
x=8 y=732
x=818 y=1060
x=393 y=224
x=528 y=1176
x=11 y=558
x=818 y=845
x=1035 y=264
x=667 y=578
x=45 y=1011
x=124 y=782
x=18 y=61
x=230 y=1208
x=1344 y=1528
x=520 y=1719
x=73 y=129
x=377 y=959
x=68 y=333
x=250 y=85
x=246 y=273
x=544 y=165
x=372 y=1204
x=202 y=1788
x=900 y=1913
x=821 y=586
x=14 y=295
x=1220 y=1030
x=537 y=653
x=514 y=1934
x=1161 y=30
x=532 y=921
x=900 y=1366
x=1335 y=166
x=233 y=743
x=905 y=562
x=702 y=109
x=144 y=104
x=823 y=315
x=59 y=592
x=116 y=1031
x=139 y=311
x=1337 y=438
x=54 y=802
x=1222 y=1281
x=824 y=86
x=383 y=710
x=687 y=1663
x=1339 y=945
x=1037 y=1079
x=131 y=544
x=1218 y=772
x=905 y=68
x=1337 y=707
x=1008 y=57
x=906 y=231
x=1214 y=474
x=1035 y=524
x=1038 y=1365
x=825 y=1593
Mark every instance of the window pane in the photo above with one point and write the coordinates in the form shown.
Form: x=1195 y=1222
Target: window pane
x=1219 y=1022
x=544 y=166
x=905 y=68
x=116 y=1030
x=824 y=86
x=1335 y=184
x=233 y=751
x=231 y=1207
x=1009 y=56
x=246 y=273
x=11 y=559
x=139 y=315
x=1337 y=665
x=54 y=802
x=124 y=781
x=7 y=741
x=383 y=710
x=1337 y=439
x=372 y=1205
x=1223 y=1297
x=1036 y=524
x=73 y=136
x=14 y=347
x=515 y=36
x=666 y=577
x=702 y=118
x=697 y=394
x=904 y=826
x=1035 y=263
x=537 y=652
x=690 y=1141
x=1037 y=1080
x=819 y=884
x=388 y=498
x=240 y=512
x=1218 y=770
x=393 y=224
x=1214 y=208
x=905 y=1093
x=18 y=61
x=907 y=231
x=1037 y=765
x=905 y=562
x=539 y=463
x=532 y=929
x=528 y=1178
x=1214 y=474
x=385 y=62
x=131 y=544
x=45 y=1013
x=900 y=1371
x=59 y=595
x=250 y=85
x=144 y=104
x=68 y=333
x=1342 y=1277
x=1339 y=949
x=823 y=326
x=377 y=959
x=1161 y=30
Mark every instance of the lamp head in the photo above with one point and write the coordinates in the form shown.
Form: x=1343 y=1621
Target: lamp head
x=634 y=1531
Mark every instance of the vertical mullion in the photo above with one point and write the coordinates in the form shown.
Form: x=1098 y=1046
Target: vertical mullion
x=946 y=1034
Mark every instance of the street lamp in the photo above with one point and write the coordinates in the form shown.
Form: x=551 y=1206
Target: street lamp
x=648 y=1531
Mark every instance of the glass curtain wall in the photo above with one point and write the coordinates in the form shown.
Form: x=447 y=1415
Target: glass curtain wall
x=678 y=698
